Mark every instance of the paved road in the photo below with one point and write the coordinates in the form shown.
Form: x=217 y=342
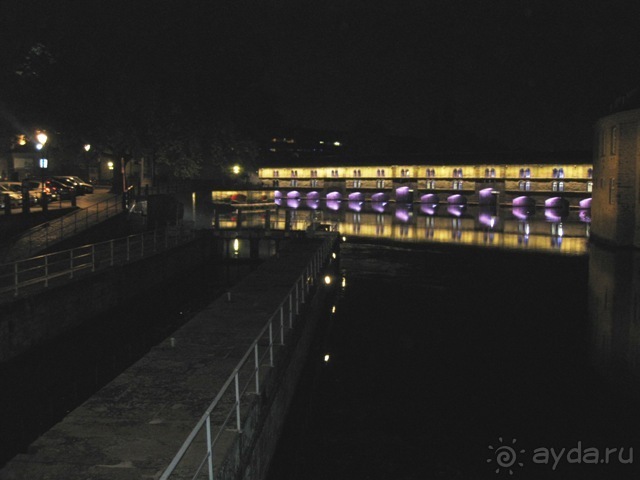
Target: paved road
x=82 y=201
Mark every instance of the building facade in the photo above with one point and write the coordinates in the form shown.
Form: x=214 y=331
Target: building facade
x=522 y=184
x=616 y=195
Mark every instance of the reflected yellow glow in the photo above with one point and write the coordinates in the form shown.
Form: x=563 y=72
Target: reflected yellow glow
x=344 y=282
x=333 y=255
x=327 y=280
x=236 y=245
x=333 y=309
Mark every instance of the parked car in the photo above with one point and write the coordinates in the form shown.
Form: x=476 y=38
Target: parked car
x=17 y=187
x=15 y=199
x=40 y=187
x=64 y=191
x=80 y=185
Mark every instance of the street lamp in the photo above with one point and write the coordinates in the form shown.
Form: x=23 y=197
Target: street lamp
x=236 y=169
x=42 y=139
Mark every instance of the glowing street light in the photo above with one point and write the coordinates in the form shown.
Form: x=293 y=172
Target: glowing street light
x=87 y=147
x=236 y=169
x=42 y=139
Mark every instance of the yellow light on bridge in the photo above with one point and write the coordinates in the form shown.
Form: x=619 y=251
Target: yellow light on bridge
x=327 y=280
x=236 y=169
x=110 y=165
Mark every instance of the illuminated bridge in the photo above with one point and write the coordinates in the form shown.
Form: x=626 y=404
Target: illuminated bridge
x=534 y=181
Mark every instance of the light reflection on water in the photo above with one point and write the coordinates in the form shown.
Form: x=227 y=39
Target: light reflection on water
x=545 y=229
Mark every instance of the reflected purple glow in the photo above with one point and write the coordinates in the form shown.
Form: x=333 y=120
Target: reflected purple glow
x=556 y=202
x=378 y=206
x=554 y=214
x=278 y=201
x=585 y=216
x=357 y=196
x=313 y=203
x=380 y=197
x=333 y=196
x=488 y=220
x=428 y=209
x=355 y=205
x=293 y=202
x=456 y=210
x=585 y=203
x=430 y=198
x=524 y=202
x=457 y=199
x=402 y=214
x=333 y=204
x=523 y=212
x=293 y=194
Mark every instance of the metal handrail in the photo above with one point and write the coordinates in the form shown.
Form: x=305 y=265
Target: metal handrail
x=37 y=273
x=42 y=236
x=291 y=305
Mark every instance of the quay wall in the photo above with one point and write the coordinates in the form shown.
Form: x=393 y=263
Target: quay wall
x=32 y=320
x=135 y=425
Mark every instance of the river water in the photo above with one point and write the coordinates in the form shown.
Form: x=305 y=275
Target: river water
x=457 y=361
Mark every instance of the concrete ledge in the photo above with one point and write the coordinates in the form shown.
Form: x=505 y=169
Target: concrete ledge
x=132 y=428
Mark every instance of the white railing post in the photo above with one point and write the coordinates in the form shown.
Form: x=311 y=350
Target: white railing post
x=209 y=447
x=290 y=310
x=237 y=381
x=271 y=342
x=257 y=367
x=281 y=324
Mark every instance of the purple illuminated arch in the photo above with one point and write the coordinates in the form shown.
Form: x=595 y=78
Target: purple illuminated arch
x=430 y=198
x=488 y=220
x=356 y=196
x=428 y=208
x=402 y=194
x=585 y=203
x=457 y=199
x=277 y=194
x=313 y=195
x=355 y=205
x=524 y=202
x=584 y=216
x=523 y=213
x=402 y=214
x=293 y=202
x=378 y=206
x=380 y=197
x=334 y=196
x=486 y=197
x=293 y=194
x=456 y=209
x=333 y=204
x=556 y=202
x=554 y=214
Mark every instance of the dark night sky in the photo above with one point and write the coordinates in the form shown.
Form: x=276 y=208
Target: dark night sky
x=526 y=73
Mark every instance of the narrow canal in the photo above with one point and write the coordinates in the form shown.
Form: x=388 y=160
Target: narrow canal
x=459 y=362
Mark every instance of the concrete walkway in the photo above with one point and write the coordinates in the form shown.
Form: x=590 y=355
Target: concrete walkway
x=132 y=428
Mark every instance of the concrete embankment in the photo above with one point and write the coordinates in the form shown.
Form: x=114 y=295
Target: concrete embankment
x=133 y=427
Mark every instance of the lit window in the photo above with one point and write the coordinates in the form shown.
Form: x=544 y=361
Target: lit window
x=561 y=173
x=590 y=173
x=493 y=173
x=555 y=173
x=522 y=173
x=589 y=186
x=527 y=173
x=561 y=186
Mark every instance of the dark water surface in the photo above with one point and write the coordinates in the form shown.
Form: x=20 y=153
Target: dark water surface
x=441 y=357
